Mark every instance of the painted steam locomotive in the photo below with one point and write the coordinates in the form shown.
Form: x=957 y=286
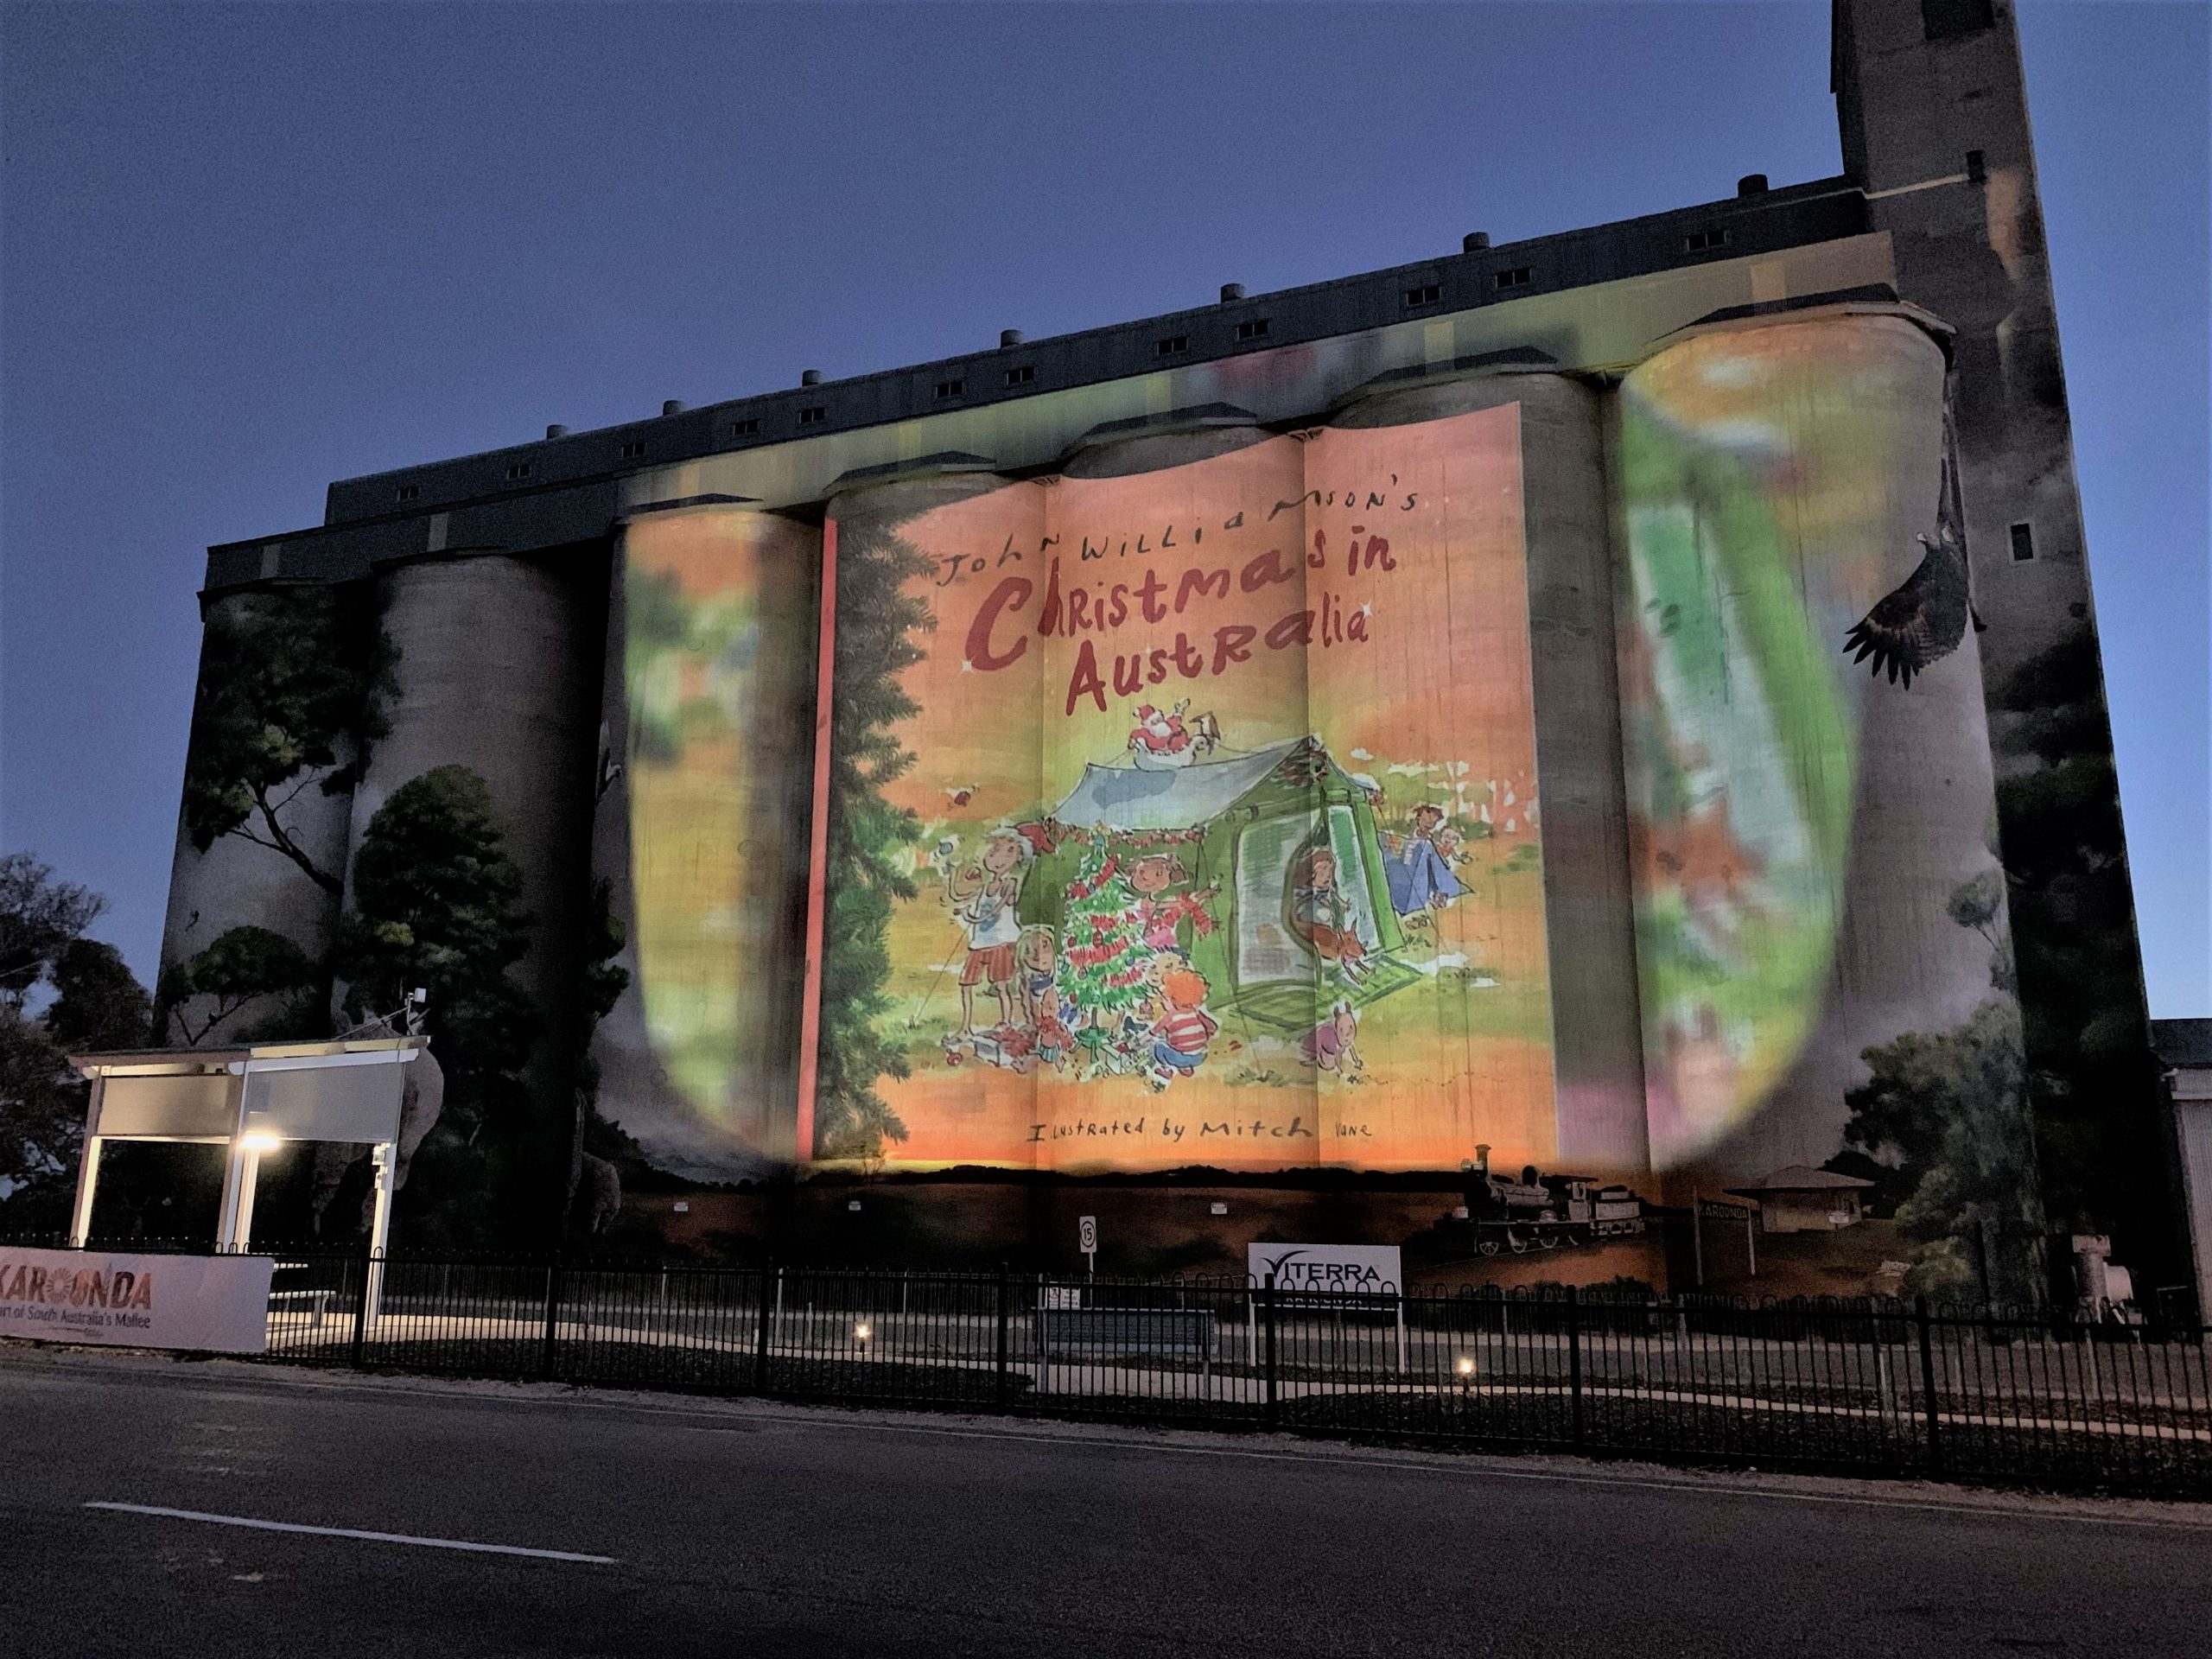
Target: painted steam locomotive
x=1543 y=1212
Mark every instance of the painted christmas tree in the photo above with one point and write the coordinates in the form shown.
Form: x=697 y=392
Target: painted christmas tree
x=1101 y=974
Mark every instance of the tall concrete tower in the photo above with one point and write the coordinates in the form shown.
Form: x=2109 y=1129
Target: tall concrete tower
x=1933 y=106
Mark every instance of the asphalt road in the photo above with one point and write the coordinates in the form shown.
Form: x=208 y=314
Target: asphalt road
x=750 y=1529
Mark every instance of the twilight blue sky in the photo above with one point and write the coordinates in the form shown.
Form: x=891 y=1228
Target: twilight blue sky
x=248 y=250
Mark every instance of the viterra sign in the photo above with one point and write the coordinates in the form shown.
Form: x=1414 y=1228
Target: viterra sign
x=206 y=1304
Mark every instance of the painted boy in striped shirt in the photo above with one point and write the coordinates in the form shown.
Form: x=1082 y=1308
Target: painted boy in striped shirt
x=1179 y=1036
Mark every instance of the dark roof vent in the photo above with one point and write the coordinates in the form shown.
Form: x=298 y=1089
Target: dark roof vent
x=810 y=377
x=673 y=406
x=1751 y=184
x=1008 y=337
x=1232 y=291
x=1474 y=241
x=556 y=431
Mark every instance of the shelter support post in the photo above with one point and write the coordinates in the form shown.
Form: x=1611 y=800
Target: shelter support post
x=88 y=1179
x=241 y=1169
x=383 y=1159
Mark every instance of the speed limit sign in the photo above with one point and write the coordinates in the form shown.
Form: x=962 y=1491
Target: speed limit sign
x=1087 y=1239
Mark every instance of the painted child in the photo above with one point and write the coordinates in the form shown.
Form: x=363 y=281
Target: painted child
x=1333 y=1045
x=983 y=896
x=1418 y=874
x=1037 y=954
x=1054 y=1038
x=1179 y=1036
x=1322 y=916
x=1159 y=918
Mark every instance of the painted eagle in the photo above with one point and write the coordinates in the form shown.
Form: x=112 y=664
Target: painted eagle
x=1922 y=619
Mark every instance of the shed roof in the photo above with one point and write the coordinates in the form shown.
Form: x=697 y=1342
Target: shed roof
x=1802 y=1177
x=1130 y=797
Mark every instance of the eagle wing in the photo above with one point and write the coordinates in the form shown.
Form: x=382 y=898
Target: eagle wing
x=1918 y=622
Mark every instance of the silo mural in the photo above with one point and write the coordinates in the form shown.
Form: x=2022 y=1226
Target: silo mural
x=702 y=835
x=1220 y=757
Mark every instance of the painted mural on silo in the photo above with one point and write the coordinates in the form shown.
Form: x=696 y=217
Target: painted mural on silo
x=1204 y=813
x=1826 y=972
x=709 y=756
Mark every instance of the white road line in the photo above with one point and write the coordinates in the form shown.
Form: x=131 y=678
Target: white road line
x=353 y=1532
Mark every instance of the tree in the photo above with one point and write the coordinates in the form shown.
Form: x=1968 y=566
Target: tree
x=243 y=966
x=876 y=624
x=39 y=916
x=97 y=1005
x=286 y=676
x=1948 y=1109
x=1103 y=955
x=438 y=904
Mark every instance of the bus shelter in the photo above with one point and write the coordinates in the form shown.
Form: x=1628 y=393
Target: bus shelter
x=251 y=1101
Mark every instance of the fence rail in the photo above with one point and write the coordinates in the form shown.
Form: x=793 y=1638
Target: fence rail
x=1862 y=1387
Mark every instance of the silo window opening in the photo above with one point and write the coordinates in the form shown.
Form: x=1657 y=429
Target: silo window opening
x=744 y=428
x=1516 y=277
x=1947 y=20
x=632 y=450
x=950 y=389
x=409 y=492
x=1255 y=328
x=2024 y=543
x=1021 y=377
x=1171 y=345
x=813 y=417
x=519 y=471
x=1427 y=294
x=1703 y=241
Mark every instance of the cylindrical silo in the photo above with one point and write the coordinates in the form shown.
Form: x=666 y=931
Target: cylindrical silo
x=940 y=580
x=1564 y=511
x=704 y=803
x=239 y=879
x=1218 y=656
x=1818 y=879
x=497 y=664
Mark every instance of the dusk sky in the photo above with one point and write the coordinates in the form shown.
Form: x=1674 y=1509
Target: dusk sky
x=251 y=250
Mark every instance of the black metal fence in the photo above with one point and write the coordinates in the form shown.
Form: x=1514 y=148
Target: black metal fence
x=1856 y=1387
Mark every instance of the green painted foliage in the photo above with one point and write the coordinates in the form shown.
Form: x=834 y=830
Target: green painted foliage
x=877 y=622
x=286 y=676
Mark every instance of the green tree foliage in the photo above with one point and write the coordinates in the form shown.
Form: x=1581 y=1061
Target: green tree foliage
x=438 y=903
x=1945 y=1110
x=2091 y=1081
x=239 y=967
x=97 y=1005
x=877 y=627
x=285 y=676
x=39 y=916
x=1101 y=971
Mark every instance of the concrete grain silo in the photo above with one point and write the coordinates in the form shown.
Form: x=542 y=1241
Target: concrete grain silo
x=1597 y=1045
x=239 y=883
x=700 y=820
x=1809 y=825
x=987 y=531
x=497 y=671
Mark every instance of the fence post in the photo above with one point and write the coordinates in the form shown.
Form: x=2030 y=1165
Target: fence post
x=768 y=1270
x=1267 y=1304
x=1005 y=1293
x=553 y=1287
x=1928 y=1389
x=1574 y=1358
x=367 y=1265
